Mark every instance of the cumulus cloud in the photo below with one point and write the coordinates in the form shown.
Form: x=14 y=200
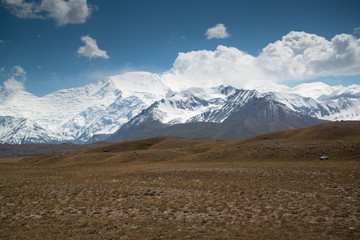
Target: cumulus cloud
x=13 y=85
x=301 y=56
x=225 y=65
x=63 y=12
x=17 y=79
x=297 y=56
x=219 y=31
x=91 y=50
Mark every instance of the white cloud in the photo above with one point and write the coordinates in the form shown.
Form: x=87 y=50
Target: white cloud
x=63 y=12
x=356 y=31
x=91 y=50
x=297 y=56
x=2 y=69
x=301 y=56
x=13 y=85
x=225 y=65
x=219 y=31
x=19 y=72
x=17 y=80
x=1 y=41
x=23 y=9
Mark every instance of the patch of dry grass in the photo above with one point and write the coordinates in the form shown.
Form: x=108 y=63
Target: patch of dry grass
x=195 y=200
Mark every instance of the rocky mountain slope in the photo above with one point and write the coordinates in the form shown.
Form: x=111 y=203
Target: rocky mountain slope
x=226 y=107
x=22 y=130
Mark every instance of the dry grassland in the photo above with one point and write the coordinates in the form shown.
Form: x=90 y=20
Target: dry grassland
x=170 y=188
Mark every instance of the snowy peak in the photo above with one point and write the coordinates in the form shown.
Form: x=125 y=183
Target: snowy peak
x=322 y=91
x=20 y=130
x=221 y=105
x=340 y=104
x=102 y=119
x=147 y=86
x=231 y=100
x=313 y=90
x=193 y=105
x=76 y=114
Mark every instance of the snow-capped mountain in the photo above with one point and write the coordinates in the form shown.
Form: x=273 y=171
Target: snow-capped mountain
x=76 y=114
x=321 y=91
x=333 y=106
x=131 y=99
x=221 y=103
x=216 y=105
x=15 y=130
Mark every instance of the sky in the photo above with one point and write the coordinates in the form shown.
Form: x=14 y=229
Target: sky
x=49 y=45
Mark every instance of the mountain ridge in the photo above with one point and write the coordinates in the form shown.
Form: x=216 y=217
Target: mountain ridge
x=235 y=105
x=102 y=108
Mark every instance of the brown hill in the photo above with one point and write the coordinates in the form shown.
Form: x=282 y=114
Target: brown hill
x=338 y=140
x=344 y=130
x=25 y=150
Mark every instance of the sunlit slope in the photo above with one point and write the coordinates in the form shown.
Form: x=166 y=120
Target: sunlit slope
x=338 y=140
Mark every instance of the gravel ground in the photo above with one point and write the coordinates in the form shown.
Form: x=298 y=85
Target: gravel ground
x=181 y=200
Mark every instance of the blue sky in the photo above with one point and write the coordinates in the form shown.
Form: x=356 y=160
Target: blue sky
x=148 y=35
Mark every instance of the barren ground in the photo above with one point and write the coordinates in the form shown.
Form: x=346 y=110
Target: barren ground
x=199 y=200
x=268 y=187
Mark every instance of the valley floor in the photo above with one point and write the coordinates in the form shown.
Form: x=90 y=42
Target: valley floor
x=181 y=200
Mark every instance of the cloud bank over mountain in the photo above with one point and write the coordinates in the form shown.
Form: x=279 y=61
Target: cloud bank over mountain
x=298 y=56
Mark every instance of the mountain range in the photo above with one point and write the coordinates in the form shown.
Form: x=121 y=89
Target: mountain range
x=140 y=104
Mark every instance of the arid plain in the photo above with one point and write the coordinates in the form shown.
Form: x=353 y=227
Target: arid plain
x=272 y=186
